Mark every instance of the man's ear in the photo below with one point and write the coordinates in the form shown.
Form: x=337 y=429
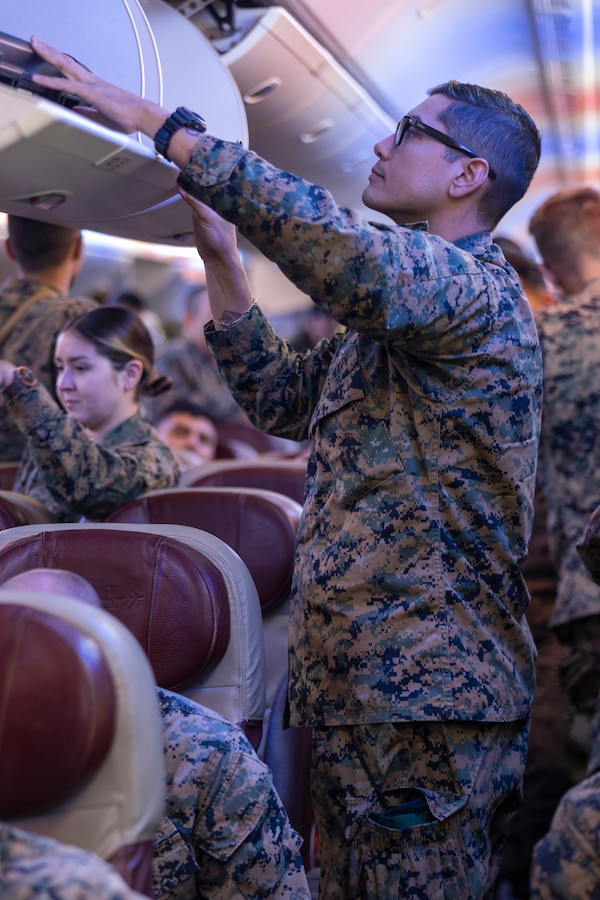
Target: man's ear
x=9 y=250
x=78 y=248
x=472 y=175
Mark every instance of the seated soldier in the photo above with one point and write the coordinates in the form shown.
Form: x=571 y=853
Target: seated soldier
x=32 y=866
x=85 y=460
x=225 y=830
x=566 y=861
x=190 y=431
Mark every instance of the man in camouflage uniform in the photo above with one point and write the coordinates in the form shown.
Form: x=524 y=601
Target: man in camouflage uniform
x=226 y=833
x=48 y=258
x=566 y=861
x=33 y=866
x=566 y=229
x=410 y=656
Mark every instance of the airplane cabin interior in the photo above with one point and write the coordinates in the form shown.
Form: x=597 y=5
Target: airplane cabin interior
x=311 y=85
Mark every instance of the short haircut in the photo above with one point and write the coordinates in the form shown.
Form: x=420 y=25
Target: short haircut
x=499 y=130
x=38 y=246
x=181 y=405
x=54 y=581
x=567 y=224
x=195 y=299
x=526 y=268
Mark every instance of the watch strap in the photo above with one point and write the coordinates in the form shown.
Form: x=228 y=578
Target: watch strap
x=181 y=118
x=22 y=378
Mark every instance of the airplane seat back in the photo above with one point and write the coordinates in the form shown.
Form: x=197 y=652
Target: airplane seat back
x=187 y=597
x=261 y=526
x=81 y=758
x=286 y=476
x=18 y=509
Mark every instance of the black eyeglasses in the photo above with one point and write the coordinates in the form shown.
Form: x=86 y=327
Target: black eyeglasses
x=407 y=122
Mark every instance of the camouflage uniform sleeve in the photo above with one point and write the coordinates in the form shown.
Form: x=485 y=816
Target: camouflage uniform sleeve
x=34 y=866
x=399 y=286
x=569 y=457
x=72 y=474
x=226 y=825
x=277 y=387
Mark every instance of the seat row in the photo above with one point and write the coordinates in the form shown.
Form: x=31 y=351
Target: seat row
x=201 y=577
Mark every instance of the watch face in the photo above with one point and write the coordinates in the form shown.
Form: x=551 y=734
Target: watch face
x=25 y=376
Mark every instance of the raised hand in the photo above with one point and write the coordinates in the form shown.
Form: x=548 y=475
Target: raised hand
x=113 y=106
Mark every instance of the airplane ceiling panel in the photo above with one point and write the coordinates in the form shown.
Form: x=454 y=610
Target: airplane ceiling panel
x=305 y=112
x=543 y=53
x=57 y=166
x=323 y=81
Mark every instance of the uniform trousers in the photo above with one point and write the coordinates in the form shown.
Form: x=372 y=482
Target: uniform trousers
x=415 y=810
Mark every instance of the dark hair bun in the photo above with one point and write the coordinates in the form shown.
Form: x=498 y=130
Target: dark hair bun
x=158 y=385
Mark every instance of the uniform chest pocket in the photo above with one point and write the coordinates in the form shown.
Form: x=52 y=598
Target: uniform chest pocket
x=352 y=437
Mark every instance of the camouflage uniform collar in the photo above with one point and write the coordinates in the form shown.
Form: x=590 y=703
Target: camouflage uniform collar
x=589 y=290
x=133 y=430
x=27 y=286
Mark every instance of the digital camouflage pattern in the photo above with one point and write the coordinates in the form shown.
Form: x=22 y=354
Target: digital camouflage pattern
x=196 y=378
x=226 y=833
x=566 y=862
x=408 y=600
x=398 y=822
x=32 y=866
x=569 y=464
x=31 y=344
x=73 y=476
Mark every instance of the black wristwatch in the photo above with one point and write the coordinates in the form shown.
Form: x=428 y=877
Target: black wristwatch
x=181 y=118
x=22 y=378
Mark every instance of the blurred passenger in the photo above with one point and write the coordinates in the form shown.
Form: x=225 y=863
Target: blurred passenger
x=150 y=318
x=225 y=833
x=317 y=325
x=189 y=430
x=33 y=867
x=100 y=453
x=566 y=229
x=190 y=365
x=552 y=759
x=35 y=305
x=566 y=861
x=533 y=280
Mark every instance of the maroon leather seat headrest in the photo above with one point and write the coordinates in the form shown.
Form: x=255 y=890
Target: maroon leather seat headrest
x=259 y=525
x=284 y=476
x=169 y=594
x=57 y=710
x=18 y=509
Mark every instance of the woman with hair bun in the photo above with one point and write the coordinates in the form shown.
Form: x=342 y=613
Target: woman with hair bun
x=96 y=452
